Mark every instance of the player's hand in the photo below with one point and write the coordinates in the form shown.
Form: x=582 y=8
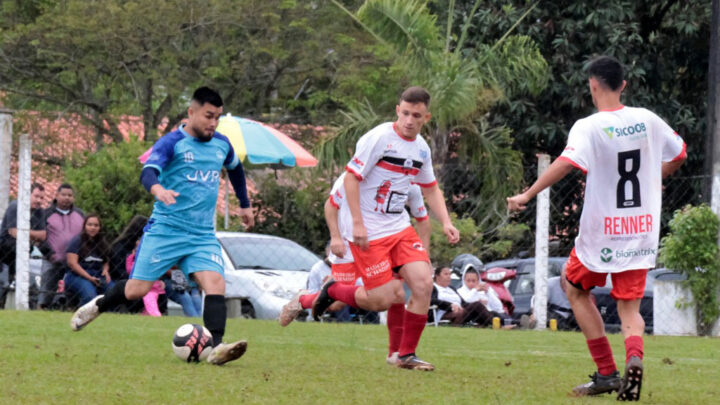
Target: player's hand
x=337 y=247
x=517 y=202
x=164 y=195
x=360 y=235
x=247 y=216
x=452 y=234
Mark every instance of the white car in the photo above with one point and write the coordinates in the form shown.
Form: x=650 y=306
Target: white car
x=262 y=273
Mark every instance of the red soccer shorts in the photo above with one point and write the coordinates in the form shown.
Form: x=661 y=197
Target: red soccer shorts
x=627 y=285
x=344 y=273
x=375 y=265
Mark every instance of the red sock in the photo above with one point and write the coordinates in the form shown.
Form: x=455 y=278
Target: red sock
x=344 y=293
x=413 y=325
x=306 y=300
x=602 y=355
x=395 y=317
x=633 y=347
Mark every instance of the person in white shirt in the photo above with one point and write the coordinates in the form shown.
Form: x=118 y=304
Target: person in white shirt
x=625 y=153
x=452 y=306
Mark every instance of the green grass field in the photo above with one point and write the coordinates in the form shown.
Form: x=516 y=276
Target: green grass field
x=127 y=359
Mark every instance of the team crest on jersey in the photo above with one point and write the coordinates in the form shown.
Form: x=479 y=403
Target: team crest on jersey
x=408 y=164
x=188 y=157
x=381 y=195
x=418 y=246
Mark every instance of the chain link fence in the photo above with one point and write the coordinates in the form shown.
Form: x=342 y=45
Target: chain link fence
x=289 y=204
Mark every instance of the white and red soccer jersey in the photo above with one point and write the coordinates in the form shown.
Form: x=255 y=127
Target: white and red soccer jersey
x=621 y=152
x=415 y=203
x=386 y=164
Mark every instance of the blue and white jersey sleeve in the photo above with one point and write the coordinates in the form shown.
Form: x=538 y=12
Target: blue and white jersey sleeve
x=231 y=160
x=163 y=151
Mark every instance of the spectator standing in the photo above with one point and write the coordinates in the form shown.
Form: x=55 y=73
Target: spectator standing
x=8 y=235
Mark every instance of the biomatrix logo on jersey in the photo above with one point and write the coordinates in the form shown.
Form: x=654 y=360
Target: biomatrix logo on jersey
x=606 y=255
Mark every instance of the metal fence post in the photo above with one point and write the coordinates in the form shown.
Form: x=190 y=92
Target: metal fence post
x=6 y=128
x=22 y=252
x=542 y=230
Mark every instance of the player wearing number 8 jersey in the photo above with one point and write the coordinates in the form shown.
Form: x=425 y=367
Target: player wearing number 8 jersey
x=625 y=153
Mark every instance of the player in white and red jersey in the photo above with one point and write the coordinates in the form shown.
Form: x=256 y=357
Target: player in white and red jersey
x=387 y=160
x=343 y=269
x=625 y=153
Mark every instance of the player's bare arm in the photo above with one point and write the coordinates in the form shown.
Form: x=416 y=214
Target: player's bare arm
x=163 y=195
x=337 y=247
x=424 y=229
x=669 y=168
x=435 y=199
x=557 y=170
x=352 y=192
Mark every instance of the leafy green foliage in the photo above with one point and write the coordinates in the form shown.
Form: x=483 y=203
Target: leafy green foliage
x=293 y=208
x=473 y=240
x=691 y=247
x=107 y=183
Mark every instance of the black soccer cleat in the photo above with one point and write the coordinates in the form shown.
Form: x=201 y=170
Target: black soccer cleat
x=632 y=380
x=323 y=301
x=599 y=384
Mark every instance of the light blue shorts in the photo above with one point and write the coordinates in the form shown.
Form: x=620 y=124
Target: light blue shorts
x=164 y=246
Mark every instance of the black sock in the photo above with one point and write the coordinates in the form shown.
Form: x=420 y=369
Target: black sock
x=113 y=297
x=214 y=316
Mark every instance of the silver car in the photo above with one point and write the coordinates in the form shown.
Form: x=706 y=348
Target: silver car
x=262 y=273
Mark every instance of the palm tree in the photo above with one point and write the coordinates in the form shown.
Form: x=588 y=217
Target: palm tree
x=464 y=84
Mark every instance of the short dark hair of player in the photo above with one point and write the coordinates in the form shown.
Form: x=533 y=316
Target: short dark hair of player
x=608 y=71
x=38 y=186
x=416 y=94
x=65 y=185
x=207 y=95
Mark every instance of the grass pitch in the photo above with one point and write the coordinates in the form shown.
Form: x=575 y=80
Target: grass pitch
x=127 y=359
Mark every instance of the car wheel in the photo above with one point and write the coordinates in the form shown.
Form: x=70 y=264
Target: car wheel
x=247 y=311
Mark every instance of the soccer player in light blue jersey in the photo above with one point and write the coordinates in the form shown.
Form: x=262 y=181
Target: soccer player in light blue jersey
x=183 y=173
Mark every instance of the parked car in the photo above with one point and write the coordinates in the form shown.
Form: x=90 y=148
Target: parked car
x=608 y=309
x=262 y=272
x=522 y=287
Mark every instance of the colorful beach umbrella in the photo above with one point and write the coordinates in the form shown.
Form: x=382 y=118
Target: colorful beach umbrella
x=260 y=144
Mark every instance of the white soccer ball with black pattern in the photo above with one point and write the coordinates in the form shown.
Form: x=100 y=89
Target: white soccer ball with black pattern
x=192 y=343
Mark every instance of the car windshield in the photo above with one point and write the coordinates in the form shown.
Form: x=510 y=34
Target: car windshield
x=267 y=253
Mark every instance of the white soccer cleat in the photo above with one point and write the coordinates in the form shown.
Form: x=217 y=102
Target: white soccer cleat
x=393 y=359
x=291 y=310
x=85 y=314
x=225 y=352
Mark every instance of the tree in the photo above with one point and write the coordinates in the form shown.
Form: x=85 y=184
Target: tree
x=108 y=183
x=107 y=58
x=463 y=83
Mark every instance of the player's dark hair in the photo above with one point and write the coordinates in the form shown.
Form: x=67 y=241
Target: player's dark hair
x=207 y=95
x=97 y=243
x=416 y=94
x=607 y=70
x=65 y=185
x=37 y=186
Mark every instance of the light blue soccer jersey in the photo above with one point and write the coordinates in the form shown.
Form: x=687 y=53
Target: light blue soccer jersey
x=192 y=168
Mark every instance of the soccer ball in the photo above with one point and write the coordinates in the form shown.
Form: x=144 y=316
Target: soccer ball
x=192 y=343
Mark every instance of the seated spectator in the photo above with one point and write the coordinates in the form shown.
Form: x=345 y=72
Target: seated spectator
x=150 y=300
x=63 y=221
x=123 y=245
x=452 y=307
x=474 y=290
x=88 y=265
x=8 y=237
x=177 y=289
